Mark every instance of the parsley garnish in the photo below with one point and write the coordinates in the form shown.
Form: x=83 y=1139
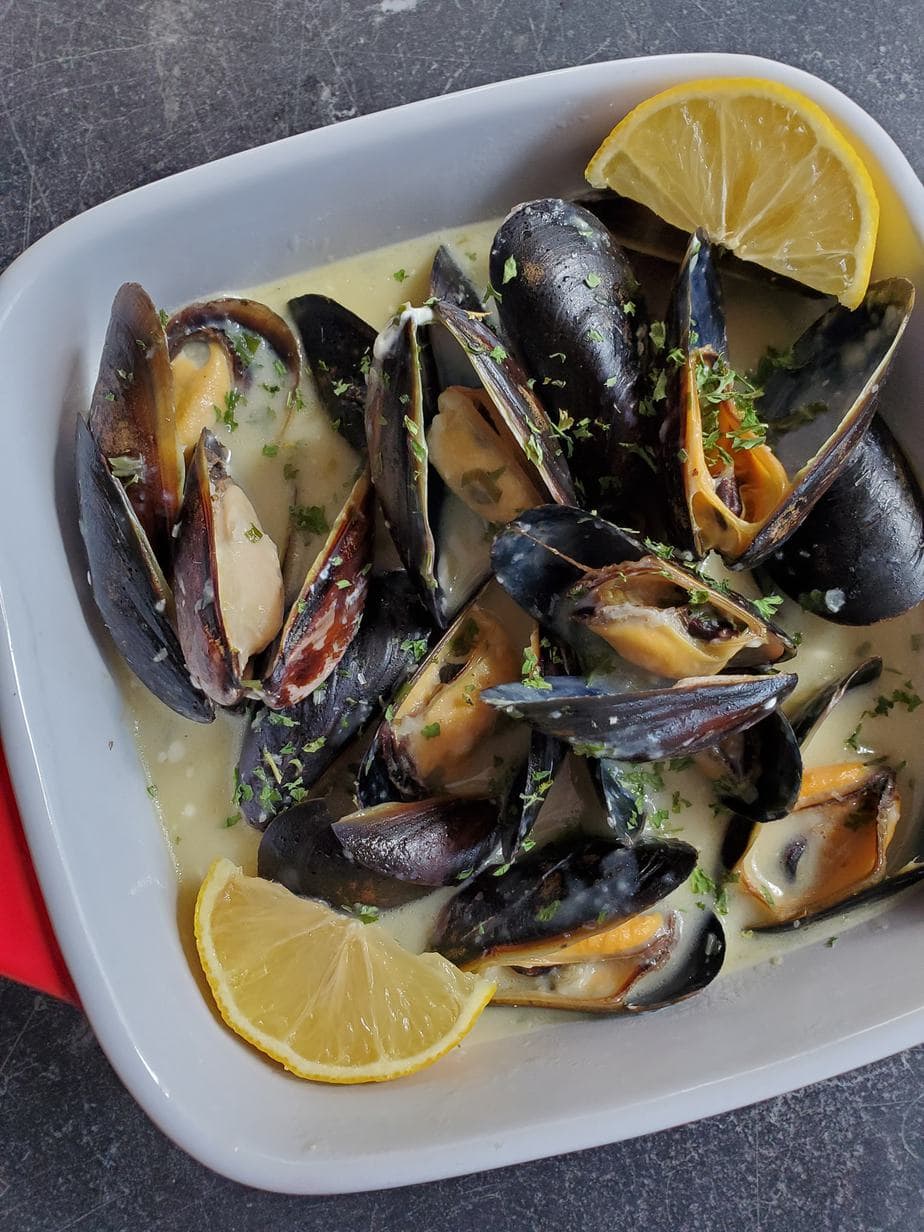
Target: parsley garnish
x=430 y=730
x=310 y=519
x=510 y=270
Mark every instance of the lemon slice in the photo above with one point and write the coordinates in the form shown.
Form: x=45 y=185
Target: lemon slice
x=761 y=168
x=333 y=999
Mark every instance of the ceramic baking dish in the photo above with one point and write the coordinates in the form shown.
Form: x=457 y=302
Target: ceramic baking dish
x=104 y=868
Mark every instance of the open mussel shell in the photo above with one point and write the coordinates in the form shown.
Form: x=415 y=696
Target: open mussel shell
x=229 y=592
x=859 y=555
x=540 y=556
x=237 y=326
x=433 y=842
x=668 y=621
x=128 y=588
x=831 y=847
x=623 y=812
x=300 y=851
x=132 y=415
x=645 y=725
x=565 y=566
x=323 y=620
x=740 y=495
x=424 y=746
x=338 y=347
x=450 y=283
x=526 y=792
x=506 y=384
x=911 y=875
x=285 y=752
x=813 y=712
x=757 y=773
x=564 y=891
x=570 y=306
x=399 y=405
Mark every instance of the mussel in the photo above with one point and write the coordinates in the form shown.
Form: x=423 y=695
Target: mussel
x=859 y=555
x=488 y=451
x=300 y=850
x=569 y=302
x=578 y=925
x=338 y=347
x=568 y=568
x=829 y=851
x=425 y=745
x=743 y=475
x=225 y=568
x=285 y=752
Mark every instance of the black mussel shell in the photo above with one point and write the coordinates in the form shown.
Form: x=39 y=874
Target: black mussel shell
x=235 y=324
x=622 y=810
x=434 y=842
x=127 y=588
x=450 y=283
x=694 y=963
x=323 y=620
x=527 y=791
x=648 y=725
x=560 y=890
x=570 y=305
x=809 y=717
x=816 y=406
x=132 y=416
x=545 y=552
x=859 y=555
x=819 y=408
x=338 y=346
x=640 y=230
x=758 y=772
x=299 y=850
x=285 y=752
x=400 y=403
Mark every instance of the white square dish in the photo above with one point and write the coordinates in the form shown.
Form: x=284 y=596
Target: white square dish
x=104 y=868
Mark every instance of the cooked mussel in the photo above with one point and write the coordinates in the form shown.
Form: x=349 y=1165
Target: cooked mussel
x=425 y=745
x=338 y=347
x=492 y=449
x=229 y=592
x=643 y=725
x=859 y=555
x=570 y=306
x=285 y=752
x=832 y=847
x=235 y=333
x=741 y=482
x=432 y=842
x=580 y=926
x=128 y=586
x=565 y=567
x=300 y=851
x=132 y=416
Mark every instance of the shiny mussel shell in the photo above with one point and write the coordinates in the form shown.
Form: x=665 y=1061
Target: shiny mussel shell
x=570 y=306
x=338 y=346
x=128 y=587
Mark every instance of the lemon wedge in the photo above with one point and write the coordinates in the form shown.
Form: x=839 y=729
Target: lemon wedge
x=761 y=168
x=331 y=998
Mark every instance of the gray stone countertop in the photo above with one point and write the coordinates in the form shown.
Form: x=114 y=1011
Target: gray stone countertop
x=99 y=96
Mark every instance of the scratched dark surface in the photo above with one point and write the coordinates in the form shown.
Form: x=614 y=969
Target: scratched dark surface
x=100 y=96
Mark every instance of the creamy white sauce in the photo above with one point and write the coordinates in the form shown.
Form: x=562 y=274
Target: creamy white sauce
x=190 y=767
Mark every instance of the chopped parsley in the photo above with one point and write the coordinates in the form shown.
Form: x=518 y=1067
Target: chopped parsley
x=593 y=281
x=310 y=519
x=549 y=911
x=270 y=451
x=399 y=275
x=767 y=605
x=510 y=270
x=430 y=730
x=530 y=672
x=253 y=533
x=416 y=646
